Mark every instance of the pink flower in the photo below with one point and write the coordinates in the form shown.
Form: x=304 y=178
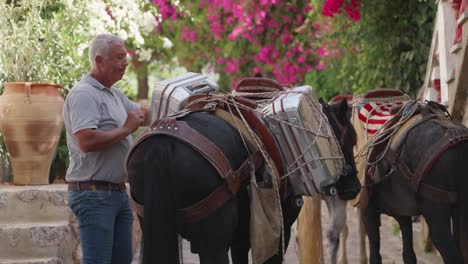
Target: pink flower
x=301 y=59
x=264 y=54
x=275 y=54
x=167 y=10
x=320 y=66
x=188 y=35
x=332 y=7
x=286 y=39
x=230 y=20
x=323 y=52
x=221 y=61
x=132 y=53
x=236 y=32
x=307 y=8
x=353 y=13
x=232 y=66
x=299 y=19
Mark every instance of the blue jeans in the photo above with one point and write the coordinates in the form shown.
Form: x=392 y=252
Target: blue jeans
x=105 y=220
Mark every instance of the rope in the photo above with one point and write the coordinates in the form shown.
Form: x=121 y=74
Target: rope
x=320 y=116
x=386 y=133
x=321 y=130
x=298 y=163
x=267 y=161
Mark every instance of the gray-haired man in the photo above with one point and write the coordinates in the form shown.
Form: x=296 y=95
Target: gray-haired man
x=99 y=121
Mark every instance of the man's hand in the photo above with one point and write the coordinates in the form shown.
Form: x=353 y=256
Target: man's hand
x=147 y=120
x=134 y=120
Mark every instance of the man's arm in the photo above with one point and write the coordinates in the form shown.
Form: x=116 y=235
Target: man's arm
x=92 y=140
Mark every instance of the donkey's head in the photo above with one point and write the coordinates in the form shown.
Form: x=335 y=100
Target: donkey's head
x=338 y=115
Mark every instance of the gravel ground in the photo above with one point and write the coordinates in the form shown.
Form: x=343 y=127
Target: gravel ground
x=391 y=246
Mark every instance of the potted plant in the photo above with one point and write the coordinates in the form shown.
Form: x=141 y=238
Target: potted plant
x=31 y=52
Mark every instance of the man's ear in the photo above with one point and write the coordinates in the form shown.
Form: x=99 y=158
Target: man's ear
x=98 y=59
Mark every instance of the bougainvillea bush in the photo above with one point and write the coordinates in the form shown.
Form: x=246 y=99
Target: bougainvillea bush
x=243 y=38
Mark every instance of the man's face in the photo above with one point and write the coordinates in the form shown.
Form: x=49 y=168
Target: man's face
x=115 y=63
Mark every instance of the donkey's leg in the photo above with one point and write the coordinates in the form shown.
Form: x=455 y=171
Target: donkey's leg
x=214 y=256
x=406 y=227
x=362 y=236
x=212 y=236
x=342 y=255
x=438 y=220
x=337 y=220
x=241 y=238
x=372 y=224
x=290 y=209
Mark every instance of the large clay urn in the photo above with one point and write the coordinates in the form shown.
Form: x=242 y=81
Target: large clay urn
x=31 y=120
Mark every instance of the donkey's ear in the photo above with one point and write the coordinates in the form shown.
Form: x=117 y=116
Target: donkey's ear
x=321 y=101
x=343 y=108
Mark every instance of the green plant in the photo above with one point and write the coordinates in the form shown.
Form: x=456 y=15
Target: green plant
x=396 y=229
x=60 y=163
x=387 y=48
x=21 y=25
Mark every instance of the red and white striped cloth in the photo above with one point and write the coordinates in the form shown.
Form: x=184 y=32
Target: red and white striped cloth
x=375 y=114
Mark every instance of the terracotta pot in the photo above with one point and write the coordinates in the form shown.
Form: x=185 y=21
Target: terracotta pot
x=31 y=120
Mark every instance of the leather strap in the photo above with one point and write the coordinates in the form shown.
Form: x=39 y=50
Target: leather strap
x=258 y=84
x=96 y=185
x=453 y=135
x=257 y=125
x=383 y=93
x=436 y=194
x=183 y=132
x=401 y=168
x=222 y=194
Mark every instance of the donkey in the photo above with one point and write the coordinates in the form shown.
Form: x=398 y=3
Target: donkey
x=167 y=175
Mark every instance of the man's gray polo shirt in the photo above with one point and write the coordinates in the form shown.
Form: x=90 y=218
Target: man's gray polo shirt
x=90 y=105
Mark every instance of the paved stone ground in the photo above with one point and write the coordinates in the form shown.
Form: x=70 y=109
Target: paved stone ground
x=391 y=246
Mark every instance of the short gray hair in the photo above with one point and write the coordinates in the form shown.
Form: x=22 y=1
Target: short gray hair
x=100 y=46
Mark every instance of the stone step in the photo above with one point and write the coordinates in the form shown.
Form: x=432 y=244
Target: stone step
x=33 y=203
x=38 y=241
x=33 y=261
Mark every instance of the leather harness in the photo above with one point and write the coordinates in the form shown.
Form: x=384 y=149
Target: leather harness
x=454 y=134
x=180 y=130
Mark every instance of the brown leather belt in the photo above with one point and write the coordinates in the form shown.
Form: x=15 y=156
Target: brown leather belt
x=96 y=185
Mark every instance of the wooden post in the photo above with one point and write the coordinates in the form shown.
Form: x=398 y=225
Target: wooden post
x=309 y=232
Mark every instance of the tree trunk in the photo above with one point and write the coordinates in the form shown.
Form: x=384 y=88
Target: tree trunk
x=143 y=87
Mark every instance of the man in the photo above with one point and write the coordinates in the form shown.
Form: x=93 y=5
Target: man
x=99 y=120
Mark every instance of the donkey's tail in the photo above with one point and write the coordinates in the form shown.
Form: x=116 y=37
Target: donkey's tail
x=160 y=217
